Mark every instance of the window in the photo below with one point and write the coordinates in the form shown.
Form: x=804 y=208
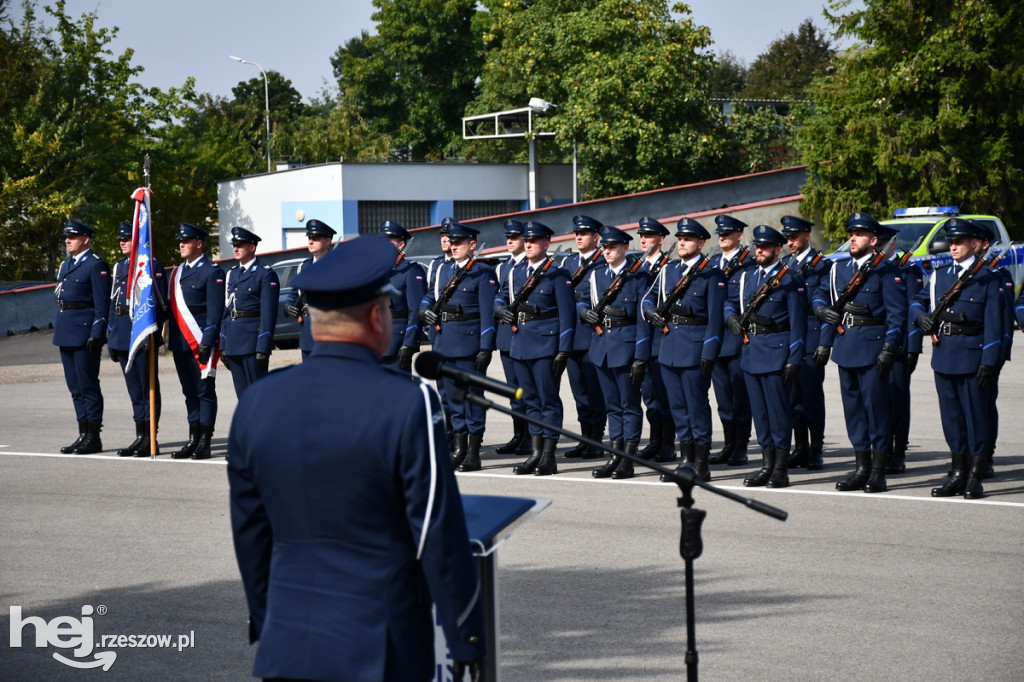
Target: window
x=408 y=214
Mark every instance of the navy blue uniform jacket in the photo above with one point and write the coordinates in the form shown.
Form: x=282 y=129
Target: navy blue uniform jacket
x=786 y=303
x=345 y=531
x=618 y=346
x=473 y=297
x=410 y=280
x=202 y=287
x=119 y=327
x=552 y=296
x=86 y=282
x=687 y=345
x=255 y=289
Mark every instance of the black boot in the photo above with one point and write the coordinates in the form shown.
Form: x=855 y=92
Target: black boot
x=654 y=444
x=581 y=447
x=764 y=473
x=668 y=438
x=472 y=460
x=682 y=461
x=530 y=465
x=956 y=479
x=898 y=461
x=876 y=482
x=729 y=436
x=190 y=446
x=68 y=449
x=449 y=432
x=606 y=470
x=203 y=446
x=801 y=449
x=701 y=453
x=625 y=467
x=91 y=444
x=816 y=448
x=596 y=433
x=141 y=430
x=518 y=435
x=973 y=490
x=547 y=465
x=780 y=474
x=144 y=446
x=460 y=449
x=859 y=476
x=741 y=440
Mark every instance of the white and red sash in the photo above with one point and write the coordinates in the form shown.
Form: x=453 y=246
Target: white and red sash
x=189 y=327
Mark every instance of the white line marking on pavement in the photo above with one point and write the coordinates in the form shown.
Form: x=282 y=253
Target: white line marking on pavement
x=159 y=458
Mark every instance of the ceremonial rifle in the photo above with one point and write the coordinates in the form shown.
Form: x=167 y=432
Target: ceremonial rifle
x=581 y=271
x=450 y=288
x=616 y=286
x=528 y=287
x=679 y=290
x=953 y=293
x=849 y=292
x=735 y=262
x=758 y=299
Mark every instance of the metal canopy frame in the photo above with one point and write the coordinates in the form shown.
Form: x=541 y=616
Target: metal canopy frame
x=502 y=124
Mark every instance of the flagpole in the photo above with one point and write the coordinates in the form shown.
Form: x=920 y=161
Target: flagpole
x=153 y=448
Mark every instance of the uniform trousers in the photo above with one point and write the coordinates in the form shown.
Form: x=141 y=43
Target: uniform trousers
x=508 y=366
x=136 y=380
x=688 y=399
x=467 y=417
x=540 y=394
x=961 y=409
x=899 y=402
x=807 y=396
x=992 y=412
x=244 y=371
x=200 y=394
x=769 y=405
x=586 y=388
x=82 y=375
x=866 y=407
x=731 y=392
x=652 y=389
x=622 y=403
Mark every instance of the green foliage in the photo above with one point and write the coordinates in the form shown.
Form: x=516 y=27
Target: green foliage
x=928 y=108
x=789 y=65
x=412 y=79
x=630 y=83
x=762 y=140
x=728 y=76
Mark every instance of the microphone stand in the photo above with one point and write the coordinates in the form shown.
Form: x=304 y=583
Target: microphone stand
x=690 y=544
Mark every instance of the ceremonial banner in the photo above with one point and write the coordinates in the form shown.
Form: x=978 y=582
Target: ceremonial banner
x=141 y=295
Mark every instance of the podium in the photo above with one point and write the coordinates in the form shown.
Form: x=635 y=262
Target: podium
x=491 y=520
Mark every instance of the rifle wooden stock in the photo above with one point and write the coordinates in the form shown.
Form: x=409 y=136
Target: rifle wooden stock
x=528 y=287
x=853 y=286
x=758 y=299
x=616 y=286
x=581 y=271
x=449 y=289
x=679 y=290
x=953 y=293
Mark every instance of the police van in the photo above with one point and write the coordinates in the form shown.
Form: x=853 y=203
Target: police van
x=920 y=229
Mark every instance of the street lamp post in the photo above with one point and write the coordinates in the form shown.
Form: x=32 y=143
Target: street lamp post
x=266 y=100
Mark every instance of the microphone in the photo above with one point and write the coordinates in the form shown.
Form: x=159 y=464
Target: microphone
x=433 y=365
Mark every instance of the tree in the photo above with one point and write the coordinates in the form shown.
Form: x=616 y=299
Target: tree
x=73 y=131
x=412 y=79
x=789 y=65
x=927 y=109
x=630 y=84
x=728 y=76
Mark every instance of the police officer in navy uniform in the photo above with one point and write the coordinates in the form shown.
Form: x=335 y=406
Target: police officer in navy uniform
x=433 y=270
x=583 y=380
x=319 y=236
x=346 y=537
x=727 y=377
x=773 y=350
x=519 y=444
x=659 y=416
x=985 y=239
x=250 y=312
x=464 y=332
x=873 y=327
x=623 y=348
x=196 y=293
x=80 y=330
x=906 y=359
x=689 y=347
x=409 y=279
x=966 y=358
x=542 y=328
x=807 y=393
x=119 y=337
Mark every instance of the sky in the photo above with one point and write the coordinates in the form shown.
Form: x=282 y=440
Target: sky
x=175 y=39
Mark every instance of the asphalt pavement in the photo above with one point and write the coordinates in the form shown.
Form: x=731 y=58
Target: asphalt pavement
x=896 y=586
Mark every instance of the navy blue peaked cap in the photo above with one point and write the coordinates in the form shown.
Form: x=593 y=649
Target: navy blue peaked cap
x=75 y=227
x=765 y=235
x=391 y=228
x=240 y=235
x=190 y=231
x=792 y=224
x=318 y=228
x=726 y=224
x=688 y=227
x=355 y=272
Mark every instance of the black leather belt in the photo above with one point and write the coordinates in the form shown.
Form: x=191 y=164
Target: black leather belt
x=399 y=313
x=527 y=317
x=235 y=314
x=121 y=310
x=459 y=317
x=618 y=321
x=74 y=305
x=859 y=321
x=953 y=329
x=754 y=329
x=688 y=321
x=196 y=309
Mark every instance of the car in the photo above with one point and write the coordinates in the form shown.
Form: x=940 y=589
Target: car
x=286 y=333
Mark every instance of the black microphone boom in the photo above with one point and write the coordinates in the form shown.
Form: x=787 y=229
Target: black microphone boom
x=433 y=365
